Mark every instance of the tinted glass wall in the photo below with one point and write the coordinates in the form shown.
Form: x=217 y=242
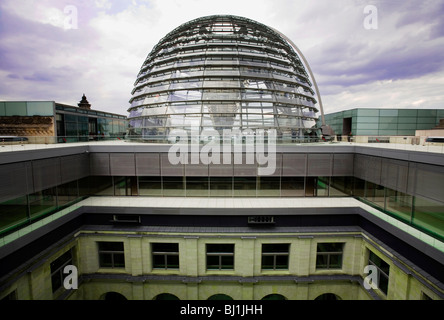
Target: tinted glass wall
x=408 y=191
x=383 y=122
x=27 y=108
x=76 y=124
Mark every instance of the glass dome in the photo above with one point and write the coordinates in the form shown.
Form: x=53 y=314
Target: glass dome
x=223 y=72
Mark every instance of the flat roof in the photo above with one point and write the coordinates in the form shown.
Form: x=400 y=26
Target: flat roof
x=132 y=146
x=227 y=204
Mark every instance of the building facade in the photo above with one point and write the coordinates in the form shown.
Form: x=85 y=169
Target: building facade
x=137 y=227
x=383 y=122
x=52 y=122
x=128 y=220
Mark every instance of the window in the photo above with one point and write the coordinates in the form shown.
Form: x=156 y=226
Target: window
x=57 y=266
x=275 y=256
x=424 y=296
x=329 y=255
x=165 y=255
x=383 y=271
x=220 y=256
x=11 y=296
x=111 y=255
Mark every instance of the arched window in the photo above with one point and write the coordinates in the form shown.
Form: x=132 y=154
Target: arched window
x=328 y=296
x=113 y=296
x=274 y=297
x=220 y=297
x=166 y=296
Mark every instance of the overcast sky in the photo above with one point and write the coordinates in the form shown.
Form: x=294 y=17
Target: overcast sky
x=391 y=57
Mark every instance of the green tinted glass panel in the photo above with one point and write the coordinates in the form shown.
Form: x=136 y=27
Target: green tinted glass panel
x=367 y=120
x=428 y=214
x=341 y=186
x=388 y=112
x=15 y=109
x=82 y=119
x=368 y=112
x=406 y=126
x=43 y=202
x=347 y=114
x=221 y=186
x=388 y=126
x=70 y=118
x=13 y=211
x=388 y=132
x=399 y=203
x=150 y=186
x=367 y=126
x=429 y=120
x=2 y=109
x=425 y=126
x=388 y=120
x=322 y=186
x=406 y=120
x=173 y=186
x=244 y=186
x=426 y=113
x=40 y=108
x=71 y=129
x=292 y=186
x=197 y=186
x=268 y=186
x=67 y=193
x=407 y=113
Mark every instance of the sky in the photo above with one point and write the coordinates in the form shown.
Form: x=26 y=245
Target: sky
x=363 y=53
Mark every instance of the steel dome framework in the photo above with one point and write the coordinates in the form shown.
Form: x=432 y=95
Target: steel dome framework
x=223 y=72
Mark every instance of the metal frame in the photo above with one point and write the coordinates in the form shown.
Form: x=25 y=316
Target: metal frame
x=254 y=65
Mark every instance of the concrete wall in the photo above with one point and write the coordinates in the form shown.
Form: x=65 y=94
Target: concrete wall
x=302 y=281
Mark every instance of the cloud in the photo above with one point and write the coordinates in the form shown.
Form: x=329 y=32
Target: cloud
x=423 y=92
x=41 y=59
